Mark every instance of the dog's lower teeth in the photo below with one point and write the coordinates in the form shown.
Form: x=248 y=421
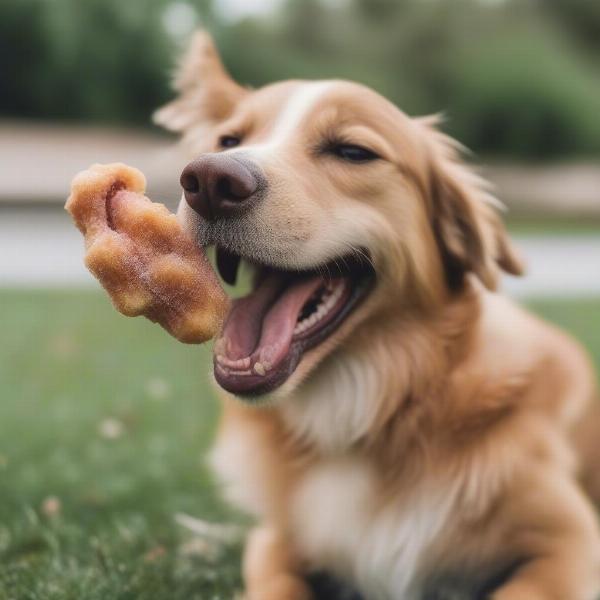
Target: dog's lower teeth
x=239 y=364
x=266 y=355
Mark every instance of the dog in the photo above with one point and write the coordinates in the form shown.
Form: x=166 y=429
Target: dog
x=388 y=417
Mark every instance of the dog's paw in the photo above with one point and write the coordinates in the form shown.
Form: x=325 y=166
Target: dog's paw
x=138 y=251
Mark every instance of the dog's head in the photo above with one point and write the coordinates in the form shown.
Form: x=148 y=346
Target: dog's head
x=348 y=209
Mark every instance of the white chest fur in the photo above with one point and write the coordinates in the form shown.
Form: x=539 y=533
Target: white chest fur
x=345 y=393
x=340 y=525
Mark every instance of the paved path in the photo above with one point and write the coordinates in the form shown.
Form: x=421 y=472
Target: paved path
x=41 y=248
x=558 y=266
x=38 y=160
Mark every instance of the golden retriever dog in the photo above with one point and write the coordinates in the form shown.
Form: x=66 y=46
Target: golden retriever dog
x=389 y=417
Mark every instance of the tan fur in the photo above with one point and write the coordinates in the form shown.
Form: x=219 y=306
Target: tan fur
x=442 y=414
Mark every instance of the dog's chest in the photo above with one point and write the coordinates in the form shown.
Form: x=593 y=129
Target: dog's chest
x=341 y=524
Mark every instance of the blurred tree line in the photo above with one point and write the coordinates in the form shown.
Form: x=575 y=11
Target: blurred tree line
x=514 y=77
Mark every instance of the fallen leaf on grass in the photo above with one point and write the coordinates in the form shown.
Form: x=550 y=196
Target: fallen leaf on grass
x=198 y=547
x=111 y=429
x=155 y=554
x=51 y=506
x=158 y=389
x=226 y=533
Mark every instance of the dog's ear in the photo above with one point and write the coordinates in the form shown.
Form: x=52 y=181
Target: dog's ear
x=470 y=234
x=207 y=93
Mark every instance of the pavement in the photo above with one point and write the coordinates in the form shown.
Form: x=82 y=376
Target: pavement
x=39 y=247
x=558 y=266
x=38 y=160
x=559 y=190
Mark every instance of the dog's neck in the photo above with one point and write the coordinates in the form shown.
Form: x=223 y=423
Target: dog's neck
x=387 y=377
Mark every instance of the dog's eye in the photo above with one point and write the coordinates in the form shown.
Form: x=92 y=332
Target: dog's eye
x=229 y=141
x=353 y=153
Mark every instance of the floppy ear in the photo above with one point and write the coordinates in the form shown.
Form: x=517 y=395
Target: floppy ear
x=207 y=94
x=470 y=234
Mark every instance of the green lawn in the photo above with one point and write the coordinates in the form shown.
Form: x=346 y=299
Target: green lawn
x=539 y=226
x=104 y=422
x=111 y=417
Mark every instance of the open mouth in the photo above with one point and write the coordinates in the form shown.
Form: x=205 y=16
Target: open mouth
x=286 y=314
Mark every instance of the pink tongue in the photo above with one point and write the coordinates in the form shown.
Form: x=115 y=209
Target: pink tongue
x=263 y=321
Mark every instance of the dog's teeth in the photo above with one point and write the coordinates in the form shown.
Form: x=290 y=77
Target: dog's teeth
x=333 y=292
x=259 y=369
x=267 y=354
x=300 y=327
x=222 y=369
x=240 y=363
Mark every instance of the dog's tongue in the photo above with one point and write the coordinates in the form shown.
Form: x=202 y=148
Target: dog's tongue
x=264 y=321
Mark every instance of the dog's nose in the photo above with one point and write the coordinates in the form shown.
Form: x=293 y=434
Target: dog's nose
x=217 y=186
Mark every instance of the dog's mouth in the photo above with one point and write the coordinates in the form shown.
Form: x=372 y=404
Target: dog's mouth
x=266 y=332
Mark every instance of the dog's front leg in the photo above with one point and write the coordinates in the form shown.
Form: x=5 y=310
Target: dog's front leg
x=271 y=570
x=567 y=573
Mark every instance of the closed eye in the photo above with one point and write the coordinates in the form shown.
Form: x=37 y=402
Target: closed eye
x=351 y=152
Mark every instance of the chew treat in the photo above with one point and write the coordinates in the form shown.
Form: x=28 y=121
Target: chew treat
x=140 y=254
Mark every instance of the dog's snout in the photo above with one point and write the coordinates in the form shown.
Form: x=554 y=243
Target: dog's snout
x=217 y=186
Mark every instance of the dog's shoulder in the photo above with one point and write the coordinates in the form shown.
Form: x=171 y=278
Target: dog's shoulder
x=515 y=344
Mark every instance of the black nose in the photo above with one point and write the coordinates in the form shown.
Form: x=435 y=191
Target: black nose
x=217 y=186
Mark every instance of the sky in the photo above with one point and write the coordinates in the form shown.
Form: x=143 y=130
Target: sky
x=180 y=18
x=234 y=10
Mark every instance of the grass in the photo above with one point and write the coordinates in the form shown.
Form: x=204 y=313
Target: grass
x=104 y=422
x=111 y=418
x=538 y=226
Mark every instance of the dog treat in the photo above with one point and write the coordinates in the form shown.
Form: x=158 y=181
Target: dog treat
x=138 y=251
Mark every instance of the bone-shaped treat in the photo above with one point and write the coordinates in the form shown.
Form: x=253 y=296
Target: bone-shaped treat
x=142 y=257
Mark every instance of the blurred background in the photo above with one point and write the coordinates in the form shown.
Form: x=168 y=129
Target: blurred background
x=517 y=80
x=103 y=420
